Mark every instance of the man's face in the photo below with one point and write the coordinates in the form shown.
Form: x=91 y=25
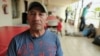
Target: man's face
x=36 y=19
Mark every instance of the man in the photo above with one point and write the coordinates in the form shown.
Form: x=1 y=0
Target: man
x=51 y=16
x=36 y=41
x=85 y=10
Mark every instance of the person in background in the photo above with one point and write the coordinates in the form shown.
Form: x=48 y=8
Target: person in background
x=89 y=31
x=51 y=16
x=92 y=32
x=52 y=20
x=59 y=26
x=82 y=23
x=66 y=15
x=37 y=41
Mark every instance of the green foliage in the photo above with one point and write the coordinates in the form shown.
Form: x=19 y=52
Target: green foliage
x=97 y=9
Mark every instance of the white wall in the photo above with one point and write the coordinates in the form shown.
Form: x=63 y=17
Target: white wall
x=61 y=12
x=5 y=19
x=58 y=10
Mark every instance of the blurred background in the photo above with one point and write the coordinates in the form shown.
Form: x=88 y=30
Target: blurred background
x=13 y=14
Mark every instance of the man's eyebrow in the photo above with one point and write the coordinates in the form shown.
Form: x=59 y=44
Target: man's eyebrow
x=31 y=11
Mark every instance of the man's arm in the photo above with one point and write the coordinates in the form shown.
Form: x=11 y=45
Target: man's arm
x=12 y=48
x=59 y=50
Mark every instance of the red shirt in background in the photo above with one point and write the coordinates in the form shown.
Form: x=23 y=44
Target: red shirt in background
x=59 y=27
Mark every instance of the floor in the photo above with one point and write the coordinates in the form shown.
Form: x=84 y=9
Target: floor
x=79 y=46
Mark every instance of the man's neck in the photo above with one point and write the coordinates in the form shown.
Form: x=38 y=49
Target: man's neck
x=37 y=33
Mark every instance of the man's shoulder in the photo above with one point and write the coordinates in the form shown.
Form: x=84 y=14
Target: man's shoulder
x=50 y=33
x=21 y=35
x=50 y=36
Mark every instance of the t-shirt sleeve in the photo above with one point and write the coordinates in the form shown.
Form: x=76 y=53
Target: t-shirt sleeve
x=12 y=48
x=59 y=49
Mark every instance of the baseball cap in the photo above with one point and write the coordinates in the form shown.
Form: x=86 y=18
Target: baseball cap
x=36 y=4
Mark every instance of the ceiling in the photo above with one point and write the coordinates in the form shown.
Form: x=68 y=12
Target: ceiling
x=59 y=2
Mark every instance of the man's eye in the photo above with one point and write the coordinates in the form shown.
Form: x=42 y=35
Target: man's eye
x=41 y=14
x=32 y=13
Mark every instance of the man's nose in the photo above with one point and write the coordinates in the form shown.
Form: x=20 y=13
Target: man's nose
x=37 y=17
